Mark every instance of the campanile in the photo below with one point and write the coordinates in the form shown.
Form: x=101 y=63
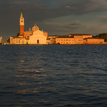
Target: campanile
x=21 y=24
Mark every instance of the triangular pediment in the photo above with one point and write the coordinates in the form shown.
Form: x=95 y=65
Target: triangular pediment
x=38 y=32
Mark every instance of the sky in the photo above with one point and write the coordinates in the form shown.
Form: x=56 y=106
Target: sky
x=57 y=17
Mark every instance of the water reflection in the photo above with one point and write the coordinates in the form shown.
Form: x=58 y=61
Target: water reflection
x=54 y=76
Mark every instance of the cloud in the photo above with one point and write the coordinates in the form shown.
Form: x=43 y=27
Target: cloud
x=27 y=5
x=43 y=11
x=19 y=3
x=84 y=6
x=74 y=26
x=102 y=18
x=61 y=28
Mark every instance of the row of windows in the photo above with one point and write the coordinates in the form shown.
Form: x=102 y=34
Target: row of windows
x=19 y=42
x=64 y=39
x=66 y=42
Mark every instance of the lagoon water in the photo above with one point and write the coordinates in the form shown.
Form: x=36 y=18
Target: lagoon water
x=53 y=76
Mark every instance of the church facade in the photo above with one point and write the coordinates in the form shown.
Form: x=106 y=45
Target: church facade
x=33 y=36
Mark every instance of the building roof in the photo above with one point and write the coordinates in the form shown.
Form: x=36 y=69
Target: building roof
x=65 y=36
x=93 y=38
x=72 y=35
x=16 y=37
x=28 y=32
x=79 y=34
x=52 y=36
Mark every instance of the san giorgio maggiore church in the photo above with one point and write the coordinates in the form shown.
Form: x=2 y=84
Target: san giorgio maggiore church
x=36 y=36
x=33 y=36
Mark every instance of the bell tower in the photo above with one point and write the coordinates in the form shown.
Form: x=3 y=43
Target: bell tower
x=21 y=24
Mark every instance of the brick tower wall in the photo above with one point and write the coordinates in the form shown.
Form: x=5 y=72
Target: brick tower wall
x=21 y=29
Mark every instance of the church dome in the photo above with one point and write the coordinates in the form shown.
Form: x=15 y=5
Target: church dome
x=35 y=28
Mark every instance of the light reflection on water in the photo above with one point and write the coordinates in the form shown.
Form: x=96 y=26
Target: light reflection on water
x=53 y=75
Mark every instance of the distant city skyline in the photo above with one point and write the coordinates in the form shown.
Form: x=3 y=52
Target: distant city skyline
x=57 y=17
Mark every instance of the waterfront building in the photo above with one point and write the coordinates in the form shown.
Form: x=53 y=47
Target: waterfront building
x=72 y=39
x=36 y=36
x=94 y=41
x=0 y=39
x=33 y=36
x=18 y=40
x=65 y=40
x=52 y=39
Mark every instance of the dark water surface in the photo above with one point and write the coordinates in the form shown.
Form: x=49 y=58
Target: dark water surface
x=53 y=75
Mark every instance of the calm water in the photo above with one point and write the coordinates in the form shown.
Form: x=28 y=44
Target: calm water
x=53 y=75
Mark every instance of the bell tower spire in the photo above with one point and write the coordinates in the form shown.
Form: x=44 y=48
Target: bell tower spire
x=21 y=14
x=21 y=22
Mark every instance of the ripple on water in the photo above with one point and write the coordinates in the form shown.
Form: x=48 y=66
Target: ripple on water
x=53 y=75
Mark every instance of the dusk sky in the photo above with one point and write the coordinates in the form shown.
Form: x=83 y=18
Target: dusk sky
x=57 y=17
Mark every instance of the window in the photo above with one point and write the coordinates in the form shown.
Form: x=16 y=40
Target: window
x=37 y=41
x=66 y=39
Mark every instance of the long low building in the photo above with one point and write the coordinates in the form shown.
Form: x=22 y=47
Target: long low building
x=78 y=39
x=94 y=41
x=72 y=39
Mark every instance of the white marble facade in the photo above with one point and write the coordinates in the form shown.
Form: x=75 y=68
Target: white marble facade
x=38 y=37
